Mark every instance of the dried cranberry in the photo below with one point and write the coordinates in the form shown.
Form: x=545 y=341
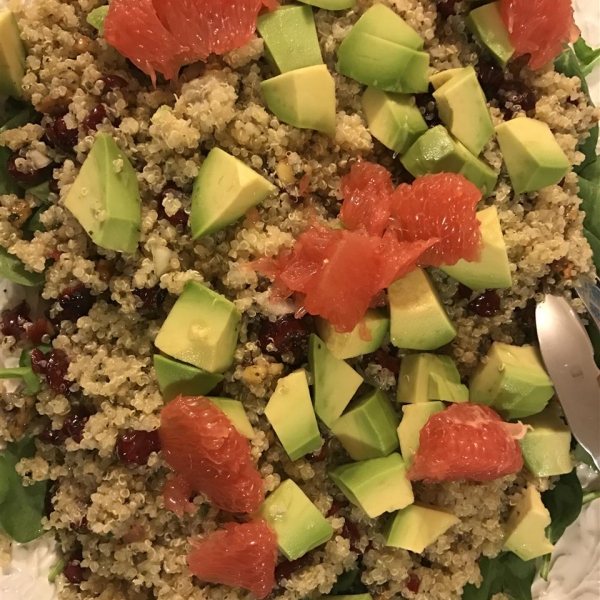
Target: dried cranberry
x=486 y=304
x=447 y=8
x=321 y=454
x=113 y=82
x=75 y=301
x=491 y=76
x=518 y=97
x=464 y=292
x=53 y=185
x=75 y=424
x=30 y=177
x=81 y=526
x=287 y=335
x=135 y=447
x=387 y=361
x=54 y=437
x=15 y=319
x=37 y=330
x=74 y=572
x=61 y=136
x=413 y=583
x=56 y=371
x=152 y=298
x=287 y=568
x=39 y=361
x=428 y=107
x=350 y=532
x=95 y=117
x=180 y=217
x=336 y=506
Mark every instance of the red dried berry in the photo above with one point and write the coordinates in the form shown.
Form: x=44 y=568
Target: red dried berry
x=288 y=335
x=95 y=117
x=74 y=572
x=37 y=330
x=39 y=361
x=54 y=437
x=75 y=424
x=56 y=371
x=152 y=298
x=486 y=304
x=413 y=583
x=31 y=176
x=15 y=319
x=285 y=569
x=135 y=447
x=113 y=82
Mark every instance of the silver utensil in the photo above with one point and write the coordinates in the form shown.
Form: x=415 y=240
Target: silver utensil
x=569 y=359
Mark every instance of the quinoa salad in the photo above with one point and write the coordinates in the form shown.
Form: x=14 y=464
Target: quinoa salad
x=185 y=219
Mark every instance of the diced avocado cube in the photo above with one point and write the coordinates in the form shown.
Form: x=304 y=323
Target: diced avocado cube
x=382 y=22
x=105 y=197
x=425 y=377
x=175 y=378
x=234 y=410
x=512 y=380
x=436 y=151
x=97 y=17
x=12 y=55
x=492 y=270
x=439 y=79
x=526 y=527
x=304 y=98
x=335 y=381
x=382 y=64
x=330 y=4
x=533 y=158
x=296 y=521
x=394 y=119
x=547 y=445
x=201 y=329
x=487 y=25
x=378 y=485
x=14 y=270
x=365 y=338
x=418 y=318
x=417 y=526
x=368 y=429
x=291 y=414
x=290 y=37
x=414 y=418
x=224 y=190
x=462 y=107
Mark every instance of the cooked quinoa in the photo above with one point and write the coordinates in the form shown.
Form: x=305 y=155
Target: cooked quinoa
x=133 y=548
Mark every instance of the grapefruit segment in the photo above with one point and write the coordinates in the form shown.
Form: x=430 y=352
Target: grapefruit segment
x=163 y=35
x=440 y=206
x=467 y=441
x=239 y=555
x=539 y=28
x=204 y=448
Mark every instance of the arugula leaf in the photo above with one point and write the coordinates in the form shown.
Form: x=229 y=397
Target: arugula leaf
x=492 y=571
x=22 y=510
x=13 y=269
x=588 y=58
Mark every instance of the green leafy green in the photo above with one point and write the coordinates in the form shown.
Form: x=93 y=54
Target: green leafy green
x=22 y=509
x=590 y=497
x=581 y=454
x=7 y=184
x=13 y=269
x=24 y=116
x=589 y=59
x=31 y=380
x=589 y=192
x=592 y=172
x=506 y=574
x=56 y=570
x=348 y=583
x=41 y=192
x=35 y=223
x=564 y=503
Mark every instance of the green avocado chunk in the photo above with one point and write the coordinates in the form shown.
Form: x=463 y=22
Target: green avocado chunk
x=105 y=197
x=14 y=270
x=486 y=24
x=368 y=429
x=377 y=486
x=394 y=119
x=414 y=418
x=97 y=17
x=235 y=412
x=533 y=158
x=436 y=151
x=382 y=64
x=291 y=414
x=437 y=80
x=176 y=378
x=201 y=329
x=462 y=107
x=330 y=4
x=296 y=521
x=526 y=527
x=547 y=445
x=224 y=190
x=365 y=338
x=512 y=380
x=418 y=318
x=335 y=381
x=492 y=270
x=290 y=37
x=417 y=526
x=425 y=377
x=304 y=98
x=12 y=55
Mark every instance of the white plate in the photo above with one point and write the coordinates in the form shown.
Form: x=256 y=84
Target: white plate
x=575 y=572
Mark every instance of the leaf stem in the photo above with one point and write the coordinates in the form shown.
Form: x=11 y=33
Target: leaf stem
x=590 y=497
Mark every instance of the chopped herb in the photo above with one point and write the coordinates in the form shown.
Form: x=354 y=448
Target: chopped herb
x=589 y=58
